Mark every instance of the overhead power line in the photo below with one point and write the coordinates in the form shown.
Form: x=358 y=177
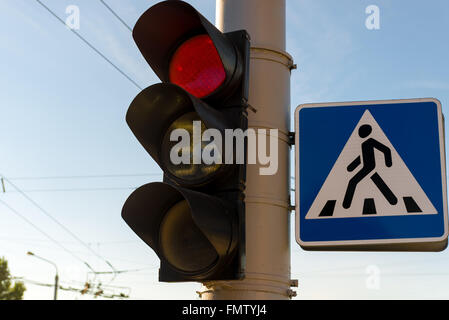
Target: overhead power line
x=121 y=271
x=70 y=177
x=77 y=189
x=46 y=213
x=90 y=45
x=116 y=15
x=92 y=176
x=42 y=244
x=105 y=242
x=96 y=291
x=17 y=213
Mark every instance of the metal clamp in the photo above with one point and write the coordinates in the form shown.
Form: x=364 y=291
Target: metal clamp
x=291 y=138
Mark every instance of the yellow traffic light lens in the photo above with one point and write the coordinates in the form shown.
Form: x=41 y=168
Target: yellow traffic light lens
x=178 y=156
x=182 y=243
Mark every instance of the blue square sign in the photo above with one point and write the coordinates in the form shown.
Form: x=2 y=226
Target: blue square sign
x=371 y=176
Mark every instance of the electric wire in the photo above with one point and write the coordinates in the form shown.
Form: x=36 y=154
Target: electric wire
x=92 y=176
x=121 y=72
x=116 y=15
x=106 y=242
x=46 y=213
x=80 y=177
x=99 y=293
x=17 y=213
x=18 y=242
x=91 y=46
x=120 y=271
x=70 y=177
x=77 y=189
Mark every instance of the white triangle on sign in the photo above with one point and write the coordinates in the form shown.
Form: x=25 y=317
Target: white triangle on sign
x=381 y=189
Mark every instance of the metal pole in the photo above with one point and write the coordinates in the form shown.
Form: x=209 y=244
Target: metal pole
x=55 y=294
x=267 y=197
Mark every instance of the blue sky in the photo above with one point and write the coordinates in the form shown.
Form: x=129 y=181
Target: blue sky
x=63 y=115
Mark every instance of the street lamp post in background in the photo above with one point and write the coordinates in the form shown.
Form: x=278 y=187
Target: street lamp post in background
x=56 y=276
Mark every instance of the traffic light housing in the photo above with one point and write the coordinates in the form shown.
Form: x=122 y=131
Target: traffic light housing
x=195 y=219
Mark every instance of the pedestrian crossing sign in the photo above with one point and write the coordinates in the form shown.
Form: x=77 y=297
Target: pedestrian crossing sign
x=371 y=176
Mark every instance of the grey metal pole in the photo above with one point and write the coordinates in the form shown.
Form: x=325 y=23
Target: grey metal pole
x=55 y=294
x=267 y=197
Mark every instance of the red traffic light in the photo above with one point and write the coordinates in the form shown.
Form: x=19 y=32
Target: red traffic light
x=196 y=67
x=184 y=48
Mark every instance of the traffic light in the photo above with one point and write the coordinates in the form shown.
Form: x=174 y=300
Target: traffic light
x=195 y=219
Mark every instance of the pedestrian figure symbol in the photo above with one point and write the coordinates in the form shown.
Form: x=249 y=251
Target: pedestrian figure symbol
x=369 y=165
x=369 y=178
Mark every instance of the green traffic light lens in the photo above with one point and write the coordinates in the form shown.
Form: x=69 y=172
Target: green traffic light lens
x=182 y=243
x=178 y=156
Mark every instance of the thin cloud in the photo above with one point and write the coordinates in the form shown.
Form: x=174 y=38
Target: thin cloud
x=428 y=84
x=321 y=45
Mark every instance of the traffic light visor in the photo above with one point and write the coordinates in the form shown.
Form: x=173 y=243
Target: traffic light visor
x=182 y=243
x=161 y=109
x=184 y=48
x=190 y=231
